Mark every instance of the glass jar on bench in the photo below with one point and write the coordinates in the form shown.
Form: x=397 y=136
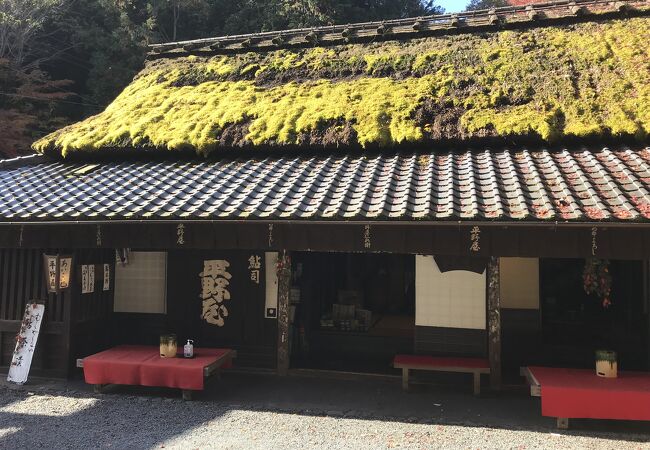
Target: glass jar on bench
x=168 y=346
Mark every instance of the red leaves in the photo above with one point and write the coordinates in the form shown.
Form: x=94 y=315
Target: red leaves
x=595 y=213
x=597 y=280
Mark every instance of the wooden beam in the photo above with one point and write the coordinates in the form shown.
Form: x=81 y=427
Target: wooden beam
x=535 y=387
x=494 y=321
x=284 y=286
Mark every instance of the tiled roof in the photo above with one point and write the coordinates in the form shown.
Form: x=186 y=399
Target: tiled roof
x=503 y=185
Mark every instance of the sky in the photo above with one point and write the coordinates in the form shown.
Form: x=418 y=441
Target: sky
x=452 y=5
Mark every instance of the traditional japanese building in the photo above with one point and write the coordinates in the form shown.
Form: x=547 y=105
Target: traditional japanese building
x=327 y=198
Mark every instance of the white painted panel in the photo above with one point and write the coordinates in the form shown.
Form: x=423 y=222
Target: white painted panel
x=140 y=286
x=453 y=299
x=271 y=278
x=520 y=283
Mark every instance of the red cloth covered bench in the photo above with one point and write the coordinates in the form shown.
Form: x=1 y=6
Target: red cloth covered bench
x=142 y=366
x=580 y=393
x=475 y=366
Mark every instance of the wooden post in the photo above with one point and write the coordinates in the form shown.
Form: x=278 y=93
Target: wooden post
x=494 y=321
x=284 y=285
x=405 y=378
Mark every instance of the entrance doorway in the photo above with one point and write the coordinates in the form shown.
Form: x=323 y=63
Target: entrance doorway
x=351 y=312
x=575 y=324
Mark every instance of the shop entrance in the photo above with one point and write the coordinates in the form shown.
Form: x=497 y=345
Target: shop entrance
x=575 y=324
x=351 y=312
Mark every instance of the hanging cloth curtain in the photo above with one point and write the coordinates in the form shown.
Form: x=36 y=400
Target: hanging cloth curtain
x=448 y=263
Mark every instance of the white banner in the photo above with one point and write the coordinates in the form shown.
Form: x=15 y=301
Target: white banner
x=26 y=343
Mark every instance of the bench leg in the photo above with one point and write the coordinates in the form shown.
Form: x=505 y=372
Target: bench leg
x=563 y=423
x=187 y=395
x=477 y=383
x=97 y=388
x=405 y=379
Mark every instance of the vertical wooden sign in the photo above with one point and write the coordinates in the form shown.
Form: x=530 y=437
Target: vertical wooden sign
x=51 y=272
x=65 y=267
x=284 y=287
x=107 y=277
x=87 y=278
x=26 y=343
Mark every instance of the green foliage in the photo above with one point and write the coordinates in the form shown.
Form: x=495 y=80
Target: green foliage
x=475 y=5
x=584 y=80
x=101 y=44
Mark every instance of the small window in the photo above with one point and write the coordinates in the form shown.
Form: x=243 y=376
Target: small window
x=140 y=285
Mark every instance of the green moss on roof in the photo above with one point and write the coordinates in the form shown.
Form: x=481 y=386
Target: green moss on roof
x=583 y=80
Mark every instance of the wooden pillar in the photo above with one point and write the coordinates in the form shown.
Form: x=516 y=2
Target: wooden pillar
x=284 y=285
x=494 y=321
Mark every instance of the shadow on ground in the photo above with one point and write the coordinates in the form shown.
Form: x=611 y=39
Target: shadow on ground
x=114 y=418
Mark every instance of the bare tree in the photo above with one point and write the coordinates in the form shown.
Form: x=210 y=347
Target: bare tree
x=20 y=23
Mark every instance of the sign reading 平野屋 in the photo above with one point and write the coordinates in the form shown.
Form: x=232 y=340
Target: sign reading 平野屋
x=26 y=343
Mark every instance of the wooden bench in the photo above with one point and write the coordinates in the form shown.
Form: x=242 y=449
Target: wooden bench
x=475 y=366
x=569 y=393
x=141 y=365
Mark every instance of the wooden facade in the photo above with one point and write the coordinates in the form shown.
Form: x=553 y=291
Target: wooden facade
x=77 y=324
x=514 y=239
x=74 y=325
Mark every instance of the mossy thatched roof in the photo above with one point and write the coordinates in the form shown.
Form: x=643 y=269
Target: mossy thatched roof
x=586 y=80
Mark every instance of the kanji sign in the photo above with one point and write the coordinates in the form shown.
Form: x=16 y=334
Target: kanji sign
x=107 y=277
x=87 y=278
x=214 y=292
x=57 y=271
x=65 y=269
x=254 y=265
x=51 y=272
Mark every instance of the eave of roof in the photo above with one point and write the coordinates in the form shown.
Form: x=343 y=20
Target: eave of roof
x=503 y=186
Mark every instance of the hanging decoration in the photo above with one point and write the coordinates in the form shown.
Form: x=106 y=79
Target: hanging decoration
x=57 y=270
x=597 y=280
x=594 y=241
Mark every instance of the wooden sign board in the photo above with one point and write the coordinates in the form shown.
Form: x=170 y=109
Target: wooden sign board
x=26 y=343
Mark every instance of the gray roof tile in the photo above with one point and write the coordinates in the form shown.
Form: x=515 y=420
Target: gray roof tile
x=520 y=184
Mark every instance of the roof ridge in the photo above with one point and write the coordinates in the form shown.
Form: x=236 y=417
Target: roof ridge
x=542 y=13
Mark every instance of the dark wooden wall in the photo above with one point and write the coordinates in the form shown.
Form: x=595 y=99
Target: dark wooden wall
x=450 y=341
x=74 y=325
x=23 y=281
x=521 y=340
x=246 y=330
x=91 y=315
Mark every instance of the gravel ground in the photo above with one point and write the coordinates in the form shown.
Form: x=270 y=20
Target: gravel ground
x=78 y=419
